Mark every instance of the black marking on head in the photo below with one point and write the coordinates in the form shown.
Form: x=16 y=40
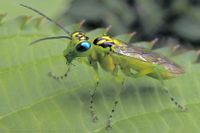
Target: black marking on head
x=82 y=36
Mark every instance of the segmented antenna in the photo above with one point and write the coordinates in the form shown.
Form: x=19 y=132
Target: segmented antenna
x=49 y=38
x=58 y=25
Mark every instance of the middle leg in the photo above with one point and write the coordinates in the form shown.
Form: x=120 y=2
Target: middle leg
x=119 y=80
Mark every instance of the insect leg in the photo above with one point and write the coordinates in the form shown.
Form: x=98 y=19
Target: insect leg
x=92 y=92
x=54 y=76
x=166 y=90
x=109 y=122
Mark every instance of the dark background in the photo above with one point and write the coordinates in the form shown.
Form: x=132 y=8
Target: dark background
x=177 y=19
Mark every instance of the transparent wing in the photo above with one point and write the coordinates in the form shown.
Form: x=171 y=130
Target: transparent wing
x=147 y=56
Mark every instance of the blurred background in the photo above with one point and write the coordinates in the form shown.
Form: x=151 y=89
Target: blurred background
x=177 y=19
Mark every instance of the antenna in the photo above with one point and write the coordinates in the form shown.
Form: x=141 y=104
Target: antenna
x=58 y=25
x=49 y=38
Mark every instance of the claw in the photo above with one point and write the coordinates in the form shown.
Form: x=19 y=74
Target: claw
x=50 y=74
x=109 y=126
x=95 y=119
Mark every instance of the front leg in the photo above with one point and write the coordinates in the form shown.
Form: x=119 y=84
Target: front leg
x=54 y=76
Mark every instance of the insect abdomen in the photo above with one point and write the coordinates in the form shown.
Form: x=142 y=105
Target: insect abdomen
x=166 y=71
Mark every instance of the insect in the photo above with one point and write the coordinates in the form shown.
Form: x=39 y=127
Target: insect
x=113 y=55
x=119 y=55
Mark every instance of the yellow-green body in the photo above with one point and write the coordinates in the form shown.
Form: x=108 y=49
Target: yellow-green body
x=117 y=56
x=113 y=55
x=135 y=65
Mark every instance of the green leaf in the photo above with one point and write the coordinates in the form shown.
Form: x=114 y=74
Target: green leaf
x=30 y=101
x=13 y=8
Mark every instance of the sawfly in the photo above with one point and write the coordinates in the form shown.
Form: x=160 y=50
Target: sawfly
x=114 y=55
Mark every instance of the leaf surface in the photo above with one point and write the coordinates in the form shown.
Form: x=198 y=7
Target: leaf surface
x=32 y=101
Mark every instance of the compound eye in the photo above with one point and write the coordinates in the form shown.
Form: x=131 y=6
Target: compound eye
x=83 y=46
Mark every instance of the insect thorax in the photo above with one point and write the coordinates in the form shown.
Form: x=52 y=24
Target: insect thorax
x=104 y=41
x=107 y=41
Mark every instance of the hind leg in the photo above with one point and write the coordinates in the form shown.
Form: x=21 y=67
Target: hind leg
x=166 y=90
